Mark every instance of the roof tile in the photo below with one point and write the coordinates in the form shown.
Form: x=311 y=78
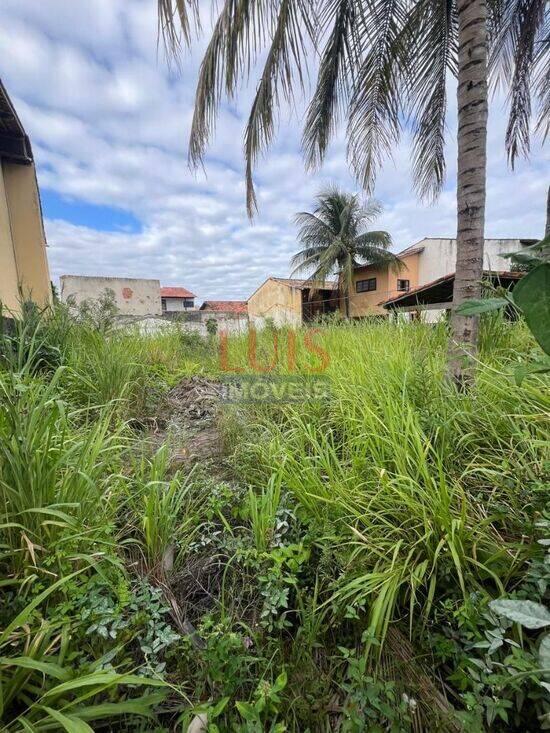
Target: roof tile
x=176 y=293
x=225 y=306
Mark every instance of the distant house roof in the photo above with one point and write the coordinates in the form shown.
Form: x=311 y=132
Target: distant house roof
x=176 y=293
x=412 y=250
x=299 y=284
x=441 y=290
x=14 y=143
x=225 y=306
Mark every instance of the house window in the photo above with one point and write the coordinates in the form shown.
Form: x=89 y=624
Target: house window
x=403 y=285
x=188 y=303
x=365 y=286
x=163 y=303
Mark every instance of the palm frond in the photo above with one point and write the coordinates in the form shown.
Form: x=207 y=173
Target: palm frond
x=334 y=78
x=542 y=93
x=520 y=53
x=374 y=123
x=431 y=35
x=379 y=240
x=284 y=67
x=175 y=19
x=233 y=47
x=335 y=238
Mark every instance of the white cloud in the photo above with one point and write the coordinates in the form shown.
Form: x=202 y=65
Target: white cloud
x=109 y=124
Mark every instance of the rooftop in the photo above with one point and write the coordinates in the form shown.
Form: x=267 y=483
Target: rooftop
x=14 y=143
x=176 y=292
x=441 y=289
x=225 y=306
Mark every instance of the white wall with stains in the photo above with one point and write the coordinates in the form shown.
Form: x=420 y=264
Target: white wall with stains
x=133 y=296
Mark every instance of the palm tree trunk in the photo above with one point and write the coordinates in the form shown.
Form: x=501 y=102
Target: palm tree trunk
x=344 y=291
x=471 y=177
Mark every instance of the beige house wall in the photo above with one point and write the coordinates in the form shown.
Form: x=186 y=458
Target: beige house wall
x=24 y=269
x=277 y=301
x=9 y=290
x=365 y=304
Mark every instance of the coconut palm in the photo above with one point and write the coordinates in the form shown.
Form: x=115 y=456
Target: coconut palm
x=382 y=64
x=335 y=239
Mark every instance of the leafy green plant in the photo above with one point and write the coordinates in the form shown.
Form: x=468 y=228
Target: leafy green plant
x=262 y=511
x=166 y=513
x=31 y=342
x=41 y=690
x=531 y=296
x=371 y=704
x=98 y=313
x=52 y=476
x=211 y=326
x=261 y=714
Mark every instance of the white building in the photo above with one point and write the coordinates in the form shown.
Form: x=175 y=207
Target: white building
x=176 y=299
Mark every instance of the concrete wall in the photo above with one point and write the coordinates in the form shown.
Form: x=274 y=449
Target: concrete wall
x=365 y=304
x=133 y=296
x=24 y=269
x=277 y=301
x=439 y=257
x=193 y=321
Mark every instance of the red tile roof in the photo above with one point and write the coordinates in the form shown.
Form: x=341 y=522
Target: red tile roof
x=176 y=293
x=225 y=306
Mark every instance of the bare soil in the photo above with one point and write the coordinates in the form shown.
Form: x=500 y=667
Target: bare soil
x=191 y=428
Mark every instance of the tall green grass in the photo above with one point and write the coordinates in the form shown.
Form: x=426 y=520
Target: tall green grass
x=388 y=503
x=421 y=488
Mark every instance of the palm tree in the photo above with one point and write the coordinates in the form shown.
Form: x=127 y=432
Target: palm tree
x=382 y=65
x=335 y=239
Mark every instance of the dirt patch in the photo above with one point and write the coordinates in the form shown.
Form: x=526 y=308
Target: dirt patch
x=192 y=421
x=196 y=398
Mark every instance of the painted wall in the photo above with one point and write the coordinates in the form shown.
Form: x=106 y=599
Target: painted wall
x=175 y=305
x=24 y=271
x=365 y=304
x=277 y=301
x=439 y=257
x=9 y=291
x=133 y=296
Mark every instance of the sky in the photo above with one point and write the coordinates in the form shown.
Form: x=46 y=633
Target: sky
x=109 y=123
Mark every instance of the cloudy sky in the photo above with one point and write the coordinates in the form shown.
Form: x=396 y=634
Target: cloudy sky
x=109 y=124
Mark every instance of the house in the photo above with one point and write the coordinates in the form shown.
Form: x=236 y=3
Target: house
x=372 y=284
x=288 y=301
x=232 y=308
x=436 y=297
x=132 y=296
x=176 y=299
x=379 y=289
x=24 y=273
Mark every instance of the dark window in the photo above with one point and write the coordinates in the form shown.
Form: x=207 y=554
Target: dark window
x=163 y=301
x=188 y=303
x=403 y=285
x=365 y=286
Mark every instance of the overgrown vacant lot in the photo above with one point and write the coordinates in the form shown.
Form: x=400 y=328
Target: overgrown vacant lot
x=332 y=569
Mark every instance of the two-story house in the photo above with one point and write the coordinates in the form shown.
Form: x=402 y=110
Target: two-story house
x=424 y=266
